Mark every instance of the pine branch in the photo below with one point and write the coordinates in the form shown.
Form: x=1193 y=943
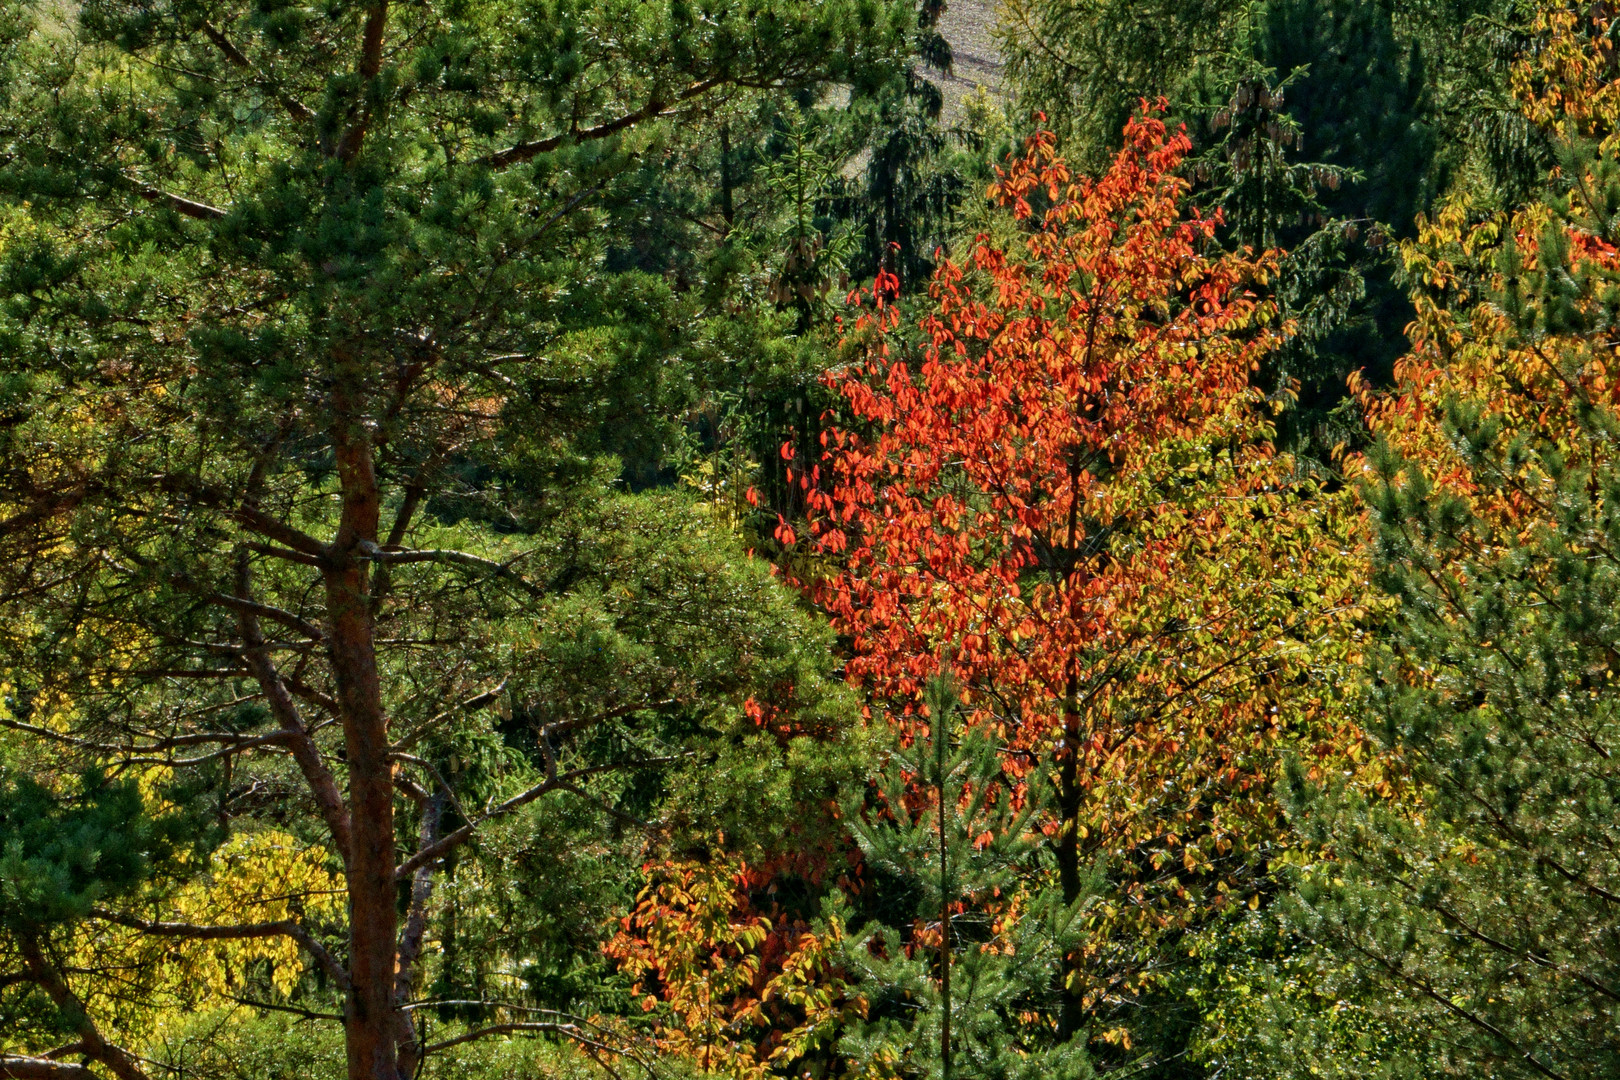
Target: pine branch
x=190 y=208
x=525 y=151
x=13 y=1067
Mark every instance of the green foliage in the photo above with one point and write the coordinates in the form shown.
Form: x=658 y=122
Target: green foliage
x=62 y=853
x=396 y=289
x=967 y=929
x=1272 y=1004
x=1483 y=913
x=234 y=1045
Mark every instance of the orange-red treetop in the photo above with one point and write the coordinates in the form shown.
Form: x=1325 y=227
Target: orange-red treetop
x=995 y=512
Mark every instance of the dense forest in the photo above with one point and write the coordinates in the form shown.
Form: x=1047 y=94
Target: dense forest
x=814 y=539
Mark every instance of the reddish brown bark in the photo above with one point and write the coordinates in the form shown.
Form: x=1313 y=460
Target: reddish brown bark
x=371 y=1012
x=48 y=978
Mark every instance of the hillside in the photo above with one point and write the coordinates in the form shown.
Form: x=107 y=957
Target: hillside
x=969 y=26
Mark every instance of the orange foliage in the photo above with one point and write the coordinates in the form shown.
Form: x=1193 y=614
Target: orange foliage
x=1004 y=457
x=1064 y=495
x=738 y=992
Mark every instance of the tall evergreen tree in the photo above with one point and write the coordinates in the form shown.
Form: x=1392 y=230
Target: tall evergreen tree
x=318 y=385
x=1472 y=896
x=1356 y=101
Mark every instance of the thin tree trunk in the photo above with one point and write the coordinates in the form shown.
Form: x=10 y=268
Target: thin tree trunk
x=1071 y=1014
x=944 y=905
x=410 y=945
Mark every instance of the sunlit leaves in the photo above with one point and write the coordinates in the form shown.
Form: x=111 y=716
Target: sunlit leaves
x=1061 y=493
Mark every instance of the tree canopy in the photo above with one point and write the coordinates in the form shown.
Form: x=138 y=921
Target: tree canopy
x=547 y=538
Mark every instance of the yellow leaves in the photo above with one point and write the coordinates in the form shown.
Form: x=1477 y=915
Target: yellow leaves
x=257 y=877
x=1566 y=85
x=254 y=878
x=270 y=875
x=739 y=993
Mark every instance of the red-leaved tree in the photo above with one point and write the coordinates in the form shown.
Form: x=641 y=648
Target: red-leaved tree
x=1062 y=493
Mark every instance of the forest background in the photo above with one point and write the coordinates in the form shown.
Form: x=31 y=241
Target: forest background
x=682 y=538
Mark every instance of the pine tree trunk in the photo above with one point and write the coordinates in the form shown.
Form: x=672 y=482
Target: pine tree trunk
x=1068 y=848
x=370 y=1011
x=944 y=905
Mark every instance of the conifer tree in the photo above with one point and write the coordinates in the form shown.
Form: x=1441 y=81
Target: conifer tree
x=1473 y=894
x=1359 y=97
x=960 y=966
x=320 y=396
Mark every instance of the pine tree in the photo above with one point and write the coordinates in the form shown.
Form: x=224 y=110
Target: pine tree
x=1480 y=907
x=1358 y=100
x=962 y=957
x=1471 y=894
x=324 y=389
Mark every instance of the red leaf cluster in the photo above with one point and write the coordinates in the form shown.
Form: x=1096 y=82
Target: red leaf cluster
x=974 y=521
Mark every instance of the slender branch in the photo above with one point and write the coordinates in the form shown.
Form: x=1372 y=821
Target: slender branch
x=525 y=151
x=13 y=1067
x=451 y=841
x=186 y=673
x=572 y=1031
x=411 y=935
x=242 y=746
x=234 y=743
x=301 y=741
x=323 y=785
x=1424 y=987
x=478 y=701
x=439 y=1003
x=295 y=108
x=313 y=696
x=188 y=207
x=46 y=504
x=602 y=805
x=266 y=611
x=307 y=1014
x=283 y=553
x=240 y=931
x=244 y=512
x=412 y=790
x=438 y=778
x=572 y=1028
x=232 y=53
x=451 y=557
x=1538 y=959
